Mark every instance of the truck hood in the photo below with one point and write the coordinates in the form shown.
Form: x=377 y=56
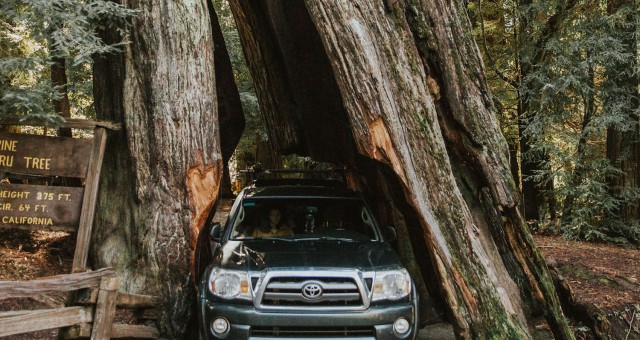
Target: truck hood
x=256 y=255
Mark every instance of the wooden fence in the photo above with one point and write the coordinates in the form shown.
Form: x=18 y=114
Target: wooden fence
x=98 y=297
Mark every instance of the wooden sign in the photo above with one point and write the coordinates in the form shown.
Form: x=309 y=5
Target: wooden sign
x=47 y=207
x=41 y=207
x=41 y=155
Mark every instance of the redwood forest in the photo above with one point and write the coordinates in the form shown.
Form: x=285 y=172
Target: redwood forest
x=499 y=140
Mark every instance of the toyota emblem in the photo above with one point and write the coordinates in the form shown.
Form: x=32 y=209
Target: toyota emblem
x=312 y=290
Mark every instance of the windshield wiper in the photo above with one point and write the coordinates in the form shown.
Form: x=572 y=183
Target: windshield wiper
x=266 y=238
x=325 y=238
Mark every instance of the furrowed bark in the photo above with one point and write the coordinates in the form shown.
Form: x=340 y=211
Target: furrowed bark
x=272 y=88
x=412 y=98
x=623 y=145
x=394 y=119
x=230 y=113
x=162 y=170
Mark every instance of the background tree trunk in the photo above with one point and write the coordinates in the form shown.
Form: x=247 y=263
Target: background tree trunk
x=162 y=171
x=230 y=113
x=405 y=88
x=535 y=193
x=59 y=78
x=623 y=143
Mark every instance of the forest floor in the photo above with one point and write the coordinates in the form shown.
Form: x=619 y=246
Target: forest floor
x=603 y=275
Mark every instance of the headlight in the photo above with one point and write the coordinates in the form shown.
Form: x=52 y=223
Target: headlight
x=391 y=285
x=229 y=284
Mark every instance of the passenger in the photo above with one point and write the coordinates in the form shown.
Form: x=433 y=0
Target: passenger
x=275 y=227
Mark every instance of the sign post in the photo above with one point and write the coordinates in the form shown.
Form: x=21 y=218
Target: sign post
x=42 y=207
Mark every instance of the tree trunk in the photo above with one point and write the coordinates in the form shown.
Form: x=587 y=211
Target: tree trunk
x=162 y=171
x=266 y=155
x=533 y=193
x=623 y=143
x=62 y=106
x=230 y=113
x=580 y=169
x=411 y=95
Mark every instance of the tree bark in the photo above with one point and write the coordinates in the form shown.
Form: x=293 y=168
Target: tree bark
x=230 y=113
x=412 y=96
x=62 y=106
x=623 y=144
x=162 y=171
x=533 y=194
x=580 y=169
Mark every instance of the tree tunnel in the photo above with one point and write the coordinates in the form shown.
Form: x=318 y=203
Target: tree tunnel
x=397 y=93
x=395 y=90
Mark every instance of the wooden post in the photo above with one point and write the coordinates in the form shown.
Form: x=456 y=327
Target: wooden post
x=89 y=200
x=105 y=308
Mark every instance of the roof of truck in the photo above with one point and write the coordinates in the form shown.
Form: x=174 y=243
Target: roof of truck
x=297 y=187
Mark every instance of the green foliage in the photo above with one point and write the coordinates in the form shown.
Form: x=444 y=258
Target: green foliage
x=254 y=124
x=36 y=33
x=574 y=102
x=575 y=72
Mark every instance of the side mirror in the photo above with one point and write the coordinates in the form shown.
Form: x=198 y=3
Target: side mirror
x=216 y=230
x=390 y=234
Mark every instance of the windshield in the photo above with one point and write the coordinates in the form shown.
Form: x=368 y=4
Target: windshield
x=304 y=218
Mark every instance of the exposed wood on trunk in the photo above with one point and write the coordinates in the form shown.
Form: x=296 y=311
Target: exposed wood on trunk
x=483 y=152
x=169 y=115
x=203 y=183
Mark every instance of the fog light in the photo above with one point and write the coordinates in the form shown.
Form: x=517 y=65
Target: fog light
x=220 y=326
x=401 y=326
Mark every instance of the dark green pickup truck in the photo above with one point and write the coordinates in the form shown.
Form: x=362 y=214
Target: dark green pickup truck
x=300 y=259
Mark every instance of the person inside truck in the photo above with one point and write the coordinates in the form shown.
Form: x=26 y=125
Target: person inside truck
x=275 y=226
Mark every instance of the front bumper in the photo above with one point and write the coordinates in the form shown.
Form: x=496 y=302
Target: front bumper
x=246 y=319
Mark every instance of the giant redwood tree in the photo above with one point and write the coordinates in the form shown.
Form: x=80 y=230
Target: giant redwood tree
x=162 y=171
x=395 y=89
x=398 y=86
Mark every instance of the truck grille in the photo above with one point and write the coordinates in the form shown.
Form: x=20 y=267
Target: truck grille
x=312 y=292
x=312 y=332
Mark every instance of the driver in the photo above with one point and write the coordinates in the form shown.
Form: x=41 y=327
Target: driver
x=275 y=227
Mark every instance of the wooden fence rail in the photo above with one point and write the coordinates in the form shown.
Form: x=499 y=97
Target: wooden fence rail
x=93 y=318
x=58 y=283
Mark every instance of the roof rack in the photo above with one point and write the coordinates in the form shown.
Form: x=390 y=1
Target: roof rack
x=307 y=182
x=258 y=172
